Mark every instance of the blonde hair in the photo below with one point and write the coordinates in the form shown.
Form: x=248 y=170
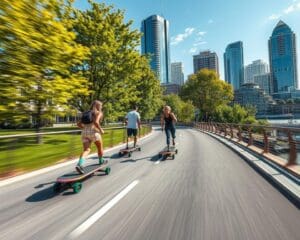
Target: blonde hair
x=96 y=106
x=167 y=108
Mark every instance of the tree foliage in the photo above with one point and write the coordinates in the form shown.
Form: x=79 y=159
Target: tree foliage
x=184 y=111
x=55 y=59
x=206 y=91
x=118 y=74
x=234 y=114
x=37 y=53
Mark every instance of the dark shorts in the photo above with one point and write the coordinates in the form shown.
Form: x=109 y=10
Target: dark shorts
x=132 y=132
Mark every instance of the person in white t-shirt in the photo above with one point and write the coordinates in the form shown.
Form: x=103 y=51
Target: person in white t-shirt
x=133 y=121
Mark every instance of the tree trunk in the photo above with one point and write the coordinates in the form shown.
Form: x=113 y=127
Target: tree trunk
x=38 y=126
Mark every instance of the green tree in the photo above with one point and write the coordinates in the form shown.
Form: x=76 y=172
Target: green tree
x=37 y=58
x=187 y=112
x=207 y=92
x=234 y=114
x=114 y=68
x=149 y=91
x=184 y=111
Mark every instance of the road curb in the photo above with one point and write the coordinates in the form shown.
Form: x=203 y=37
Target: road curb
x=285 y=184
x=58 y=165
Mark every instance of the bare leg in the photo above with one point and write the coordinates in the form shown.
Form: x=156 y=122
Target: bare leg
x=86 y=149
x=135 y=141
x=99 y=146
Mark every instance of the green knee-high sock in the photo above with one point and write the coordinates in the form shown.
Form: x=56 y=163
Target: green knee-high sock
x=101 y=160
x=81 y=160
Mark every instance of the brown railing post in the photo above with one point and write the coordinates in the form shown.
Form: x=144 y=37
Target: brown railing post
x=266 y=142
x=239 y=134
x=111 y=138
x=250 y=141
x=293 y=150
x=231 y=131
x=225 y=130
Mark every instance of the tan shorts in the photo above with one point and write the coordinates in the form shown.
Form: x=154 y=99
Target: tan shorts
x=90 y=134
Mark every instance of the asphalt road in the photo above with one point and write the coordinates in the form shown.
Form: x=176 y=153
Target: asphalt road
x=207 y=192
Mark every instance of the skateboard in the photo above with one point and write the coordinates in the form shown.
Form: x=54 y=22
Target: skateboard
x=168 y=152
x=129 y=151
x=74 y=179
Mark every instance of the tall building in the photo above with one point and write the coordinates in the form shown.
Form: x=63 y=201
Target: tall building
x=156 y=43
x=263 y=81
x=258 y=67
x=177 y=75
x=282 y=57
x=250 y=94
x=234 y=64
x=206 y=59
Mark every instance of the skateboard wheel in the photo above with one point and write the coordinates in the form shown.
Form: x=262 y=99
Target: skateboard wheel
x=77 y=187
x=57 y=187
x=107 y=170
x=176 y=151
x=129 y=154
x=173 y=157
x=139 y=149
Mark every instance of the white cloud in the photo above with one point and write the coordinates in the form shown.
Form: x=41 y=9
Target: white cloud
x=293 y=7
x=199 y=43
x=182 y=36
x=201 y=33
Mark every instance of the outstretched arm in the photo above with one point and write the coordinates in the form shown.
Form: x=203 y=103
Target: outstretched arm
x=173 y=117
x=97 y=122
x=162 y=122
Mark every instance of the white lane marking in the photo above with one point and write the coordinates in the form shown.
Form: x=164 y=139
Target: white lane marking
x=97 y=215
x=157 y=162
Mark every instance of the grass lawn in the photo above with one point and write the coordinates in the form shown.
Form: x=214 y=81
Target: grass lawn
x=24 y=154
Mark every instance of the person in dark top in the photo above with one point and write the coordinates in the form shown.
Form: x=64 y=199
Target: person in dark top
x=168 y=120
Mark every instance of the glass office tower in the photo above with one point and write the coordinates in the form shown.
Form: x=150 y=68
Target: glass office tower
x=282 y=57
x=234 y=64
x=155 y=42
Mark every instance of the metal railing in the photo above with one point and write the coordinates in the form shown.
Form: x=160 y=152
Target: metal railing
x=281 y=145
x=22 y=152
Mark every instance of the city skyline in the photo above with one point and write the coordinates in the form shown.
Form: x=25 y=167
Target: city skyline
x=195 y=27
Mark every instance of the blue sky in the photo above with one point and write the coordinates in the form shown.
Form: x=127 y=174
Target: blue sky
x=197 y=25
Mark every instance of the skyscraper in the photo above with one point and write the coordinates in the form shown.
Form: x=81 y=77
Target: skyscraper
x=263 y=81
x=282 y=57
x=177 y=75
x=258 y=67
x=155 y=42
x=234 y=64
x=206 y=59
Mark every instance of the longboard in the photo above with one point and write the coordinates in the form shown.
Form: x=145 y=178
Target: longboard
x=129 y=151
x=74 y=179
x=168 y=152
